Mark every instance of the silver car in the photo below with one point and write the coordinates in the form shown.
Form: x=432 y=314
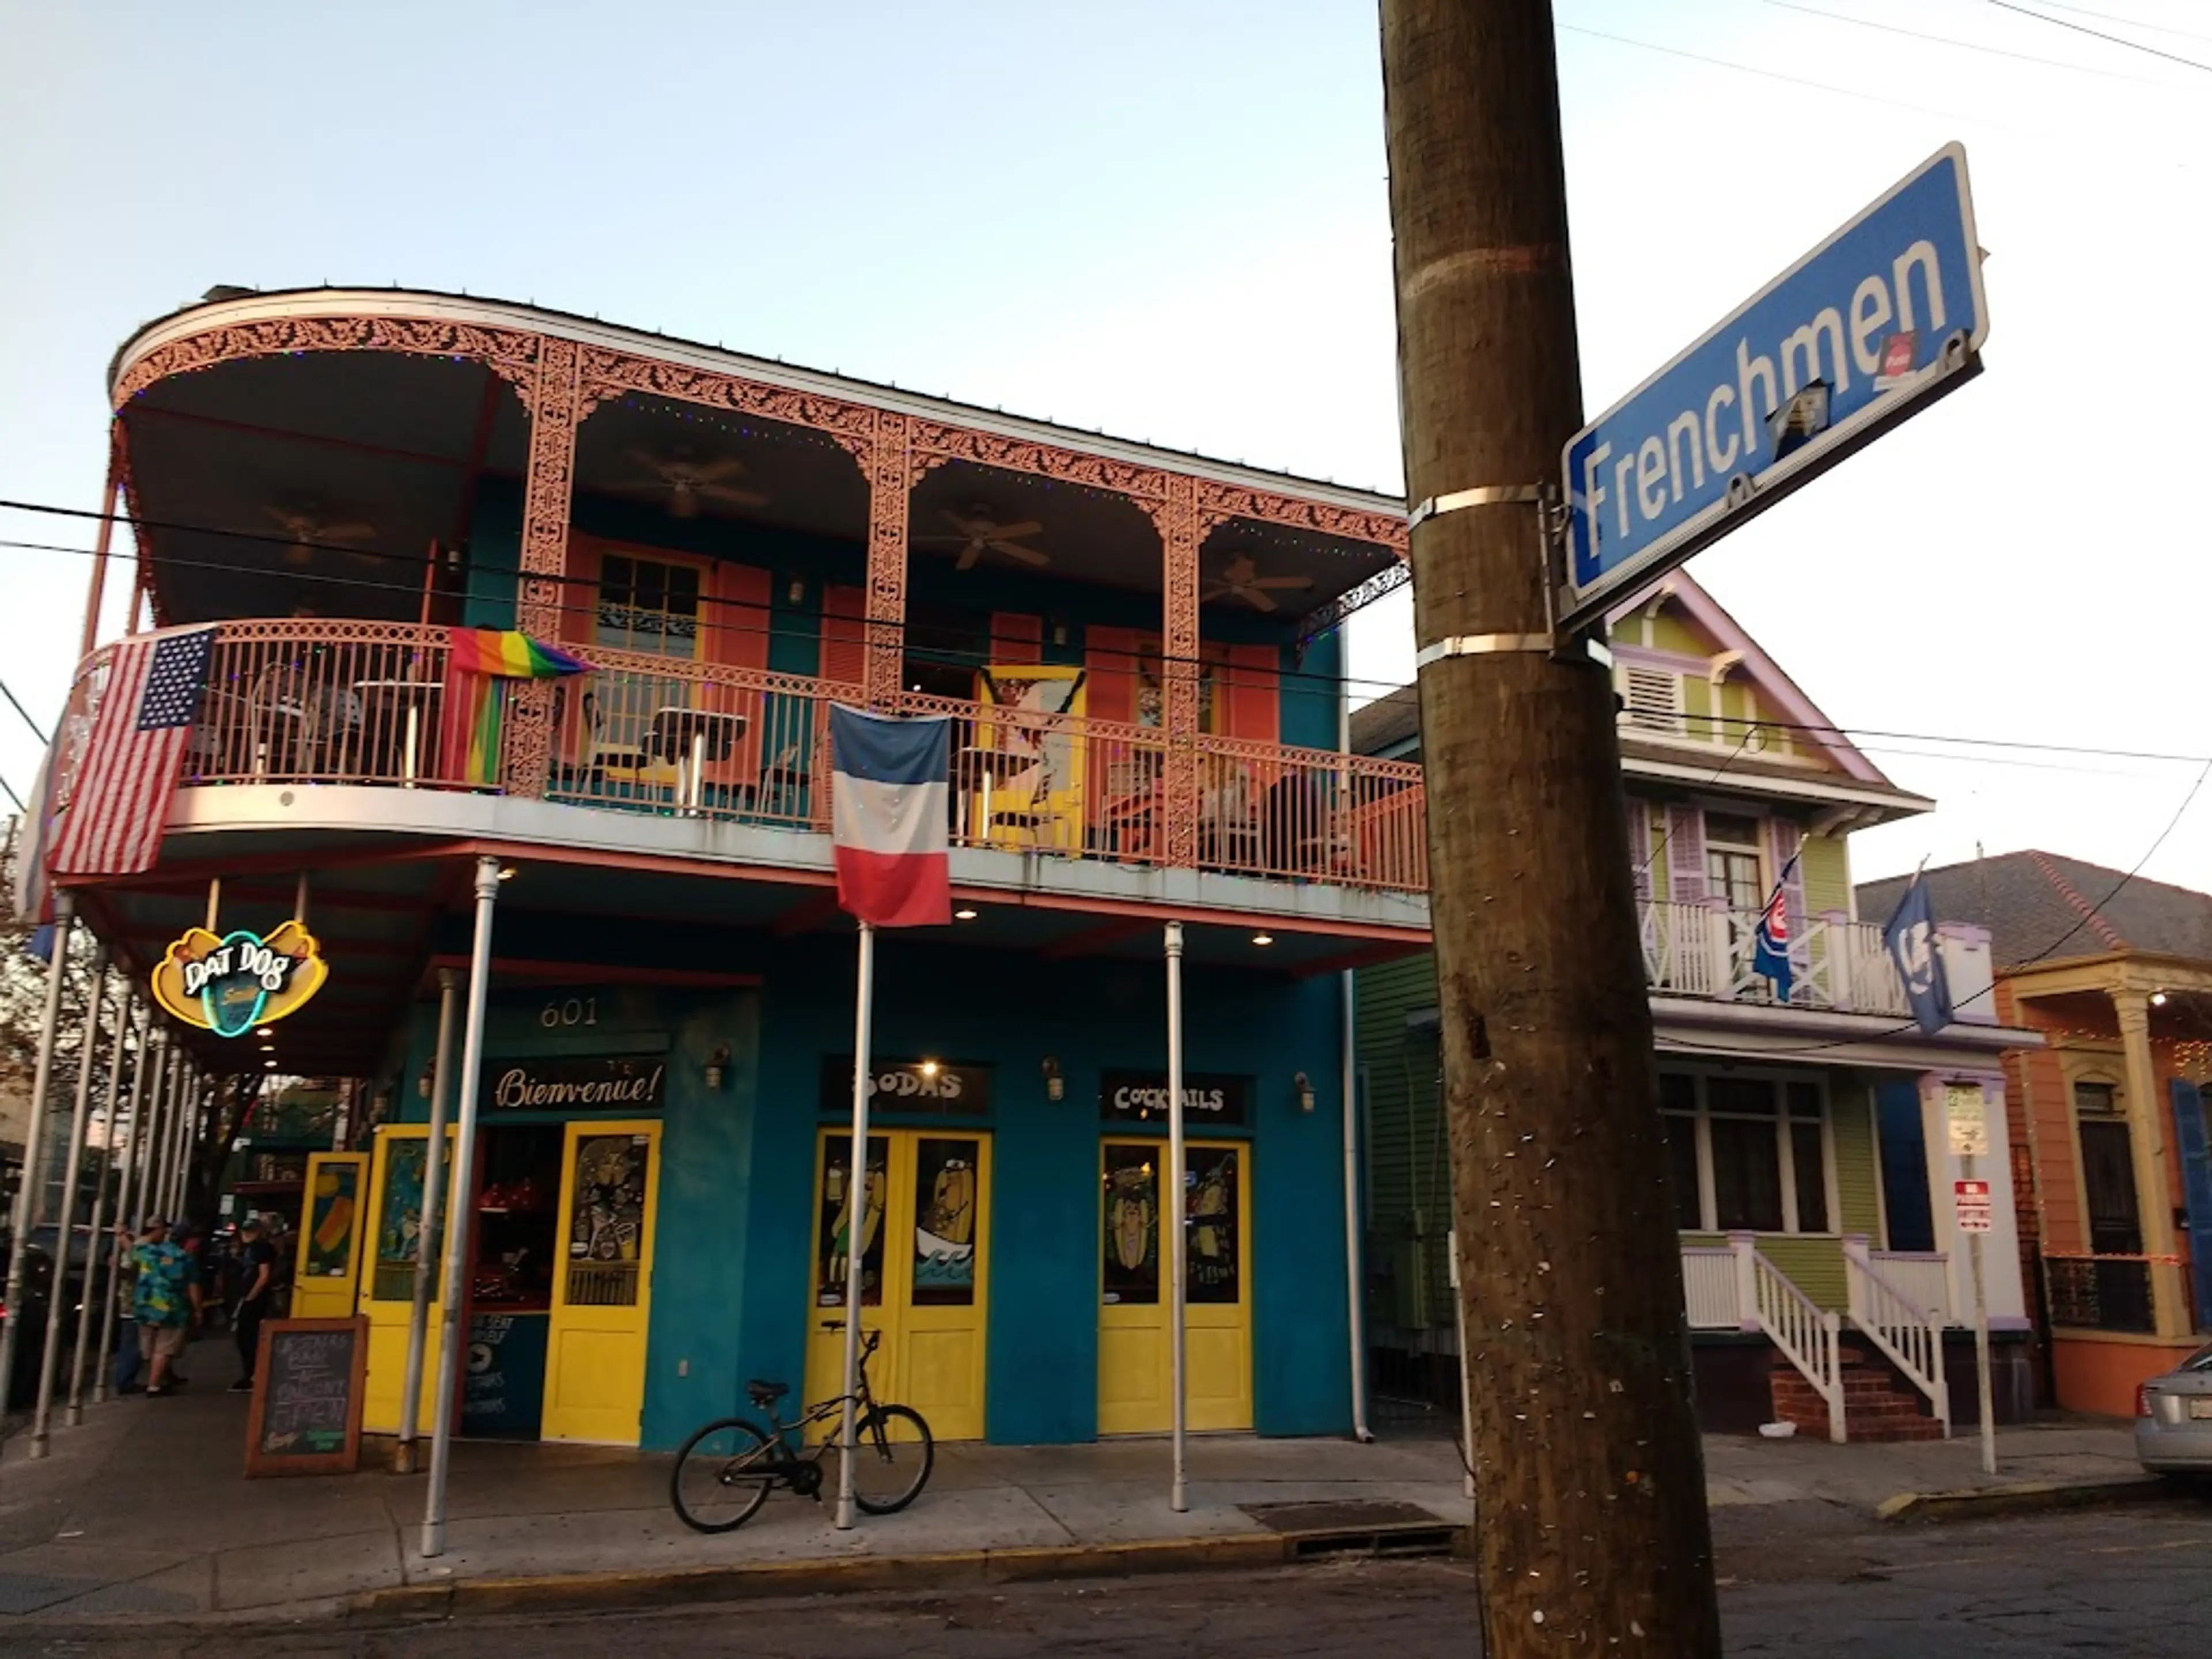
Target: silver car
x=2173 y=1418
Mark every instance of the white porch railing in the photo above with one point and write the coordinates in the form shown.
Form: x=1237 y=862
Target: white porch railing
x=1922 y=1277
x=1709 y=1288
x=1809 y=1336
x=1706 y=950
x=1909 y=1332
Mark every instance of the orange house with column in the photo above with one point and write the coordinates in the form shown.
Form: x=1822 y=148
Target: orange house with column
x=2109 y=1131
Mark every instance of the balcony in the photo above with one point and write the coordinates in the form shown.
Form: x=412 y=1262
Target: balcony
x=316 y=702
x=1706 y=951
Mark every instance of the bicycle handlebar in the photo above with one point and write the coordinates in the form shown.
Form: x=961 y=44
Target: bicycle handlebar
x=871 y=1341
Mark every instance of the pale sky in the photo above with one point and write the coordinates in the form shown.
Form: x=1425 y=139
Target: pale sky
x=1170 y=221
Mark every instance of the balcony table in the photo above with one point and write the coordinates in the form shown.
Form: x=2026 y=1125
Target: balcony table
x=691 y=737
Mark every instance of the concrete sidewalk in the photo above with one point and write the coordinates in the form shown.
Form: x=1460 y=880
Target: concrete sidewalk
x=143 y=1510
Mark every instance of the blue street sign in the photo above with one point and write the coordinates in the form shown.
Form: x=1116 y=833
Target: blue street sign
x=1869 y=327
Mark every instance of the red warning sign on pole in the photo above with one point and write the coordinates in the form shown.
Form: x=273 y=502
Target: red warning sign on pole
x=1972 y=1198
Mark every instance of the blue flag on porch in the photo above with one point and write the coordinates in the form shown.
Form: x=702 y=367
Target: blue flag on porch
x=1770 y=955
x=1910 y=939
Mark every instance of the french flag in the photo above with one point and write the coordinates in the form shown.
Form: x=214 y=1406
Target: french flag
x=889 y=799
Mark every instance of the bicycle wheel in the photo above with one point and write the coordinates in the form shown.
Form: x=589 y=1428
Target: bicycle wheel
x=722 y=1476
x=893 y=1459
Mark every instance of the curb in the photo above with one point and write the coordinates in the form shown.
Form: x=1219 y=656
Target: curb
x=601 y=1592
x=2022 y=1498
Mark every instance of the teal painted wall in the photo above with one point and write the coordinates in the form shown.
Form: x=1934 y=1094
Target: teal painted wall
x=735 y=1220
x=1042 y=1362
x=1309 y=691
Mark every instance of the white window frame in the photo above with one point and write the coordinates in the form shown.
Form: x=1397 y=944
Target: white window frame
x=1785 y=1150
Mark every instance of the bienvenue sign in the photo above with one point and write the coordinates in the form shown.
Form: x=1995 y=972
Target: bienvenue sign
x=1142 y=1097
x=605 y=1083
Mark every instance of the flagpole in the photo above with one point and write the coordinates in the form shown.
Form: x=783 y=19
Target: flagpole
x=856 y=1214
x=1173 y=1205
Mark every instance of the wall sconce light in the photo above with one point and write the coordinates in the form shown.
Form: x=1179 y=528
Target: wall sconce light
x=1302 y=1085
x=717 y=1063
x=1055 y=1085
x=928 y=1068
x=2158 y=998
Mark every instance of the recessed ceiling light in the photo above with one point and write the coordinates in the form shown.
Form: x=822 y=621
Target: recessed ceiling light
x=1263 y=938
x=2158 y=998
x=963 y=914
x=266 y=1032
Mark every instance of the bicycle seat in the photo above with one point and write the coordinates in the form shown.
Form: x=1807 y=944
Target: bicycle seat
x=765 y=1395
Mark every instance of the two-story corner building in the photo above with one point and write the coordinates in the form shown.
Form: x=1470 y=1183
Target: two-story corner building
x=1812 y=1168
x=1137 y=649
x=2108 y=1119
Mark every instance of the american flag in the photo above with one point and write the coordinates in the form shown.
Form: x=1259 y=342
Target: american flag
x=112 y=825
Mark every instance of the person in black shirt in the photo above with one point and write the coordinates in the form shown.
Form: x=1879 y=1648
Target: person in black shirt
x=257 y=1266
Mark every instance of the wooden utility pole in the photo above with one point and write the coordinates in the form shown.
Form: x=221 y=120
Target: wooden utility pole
x=1591 y=1500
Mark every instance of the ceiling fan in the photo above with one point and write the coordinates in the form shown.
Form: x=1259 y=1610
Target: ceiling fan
x=311 y=532
x=979 y=532
x=687 y=478
x=1241 y=579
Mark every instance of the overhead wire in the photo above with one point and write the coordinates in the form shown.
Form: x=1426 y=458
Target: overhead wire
x=2099 y=35
x=2127 y=22
x=1750 y=726
x=1963 y=45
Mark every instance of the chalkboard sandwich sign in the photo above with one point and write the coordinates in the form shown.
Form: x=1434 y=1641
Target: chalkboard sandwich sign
x=306 y=1397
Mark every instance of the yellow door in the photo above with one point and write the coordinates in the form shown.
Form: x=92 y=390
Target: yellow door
x=395 y=1226
x=1136 y=1357
x=925 y=1254
x=328 y=1275
x=603 y=1286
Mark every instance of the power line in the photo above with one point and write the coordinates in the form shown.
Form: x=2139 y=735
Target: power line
x=1770 y=74
x=2172 y=824
x=18 y=709
x=1825 y=731
x=1965 y=45
x=2099 y=34
x=2127 y=22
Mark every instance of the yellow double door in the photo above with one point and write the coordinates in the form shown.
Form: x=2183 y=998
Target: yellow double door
x=1136 y=1354
x=602 y=1299
x=921 y=1221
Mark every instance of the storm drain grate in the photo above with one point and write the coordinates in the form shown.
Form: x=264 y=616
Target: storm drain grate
x=1365 y=1526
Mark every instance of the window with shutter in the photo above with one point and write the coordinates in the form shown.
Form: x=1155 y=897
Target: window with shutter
x=1654 y=696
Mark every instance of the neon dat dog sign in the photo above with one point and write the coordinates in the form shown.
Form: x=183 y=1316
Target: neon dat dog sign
x=230 y=983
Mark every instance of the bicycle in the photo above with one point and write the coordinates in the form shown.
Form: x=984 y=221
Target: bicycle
x=726 y=1470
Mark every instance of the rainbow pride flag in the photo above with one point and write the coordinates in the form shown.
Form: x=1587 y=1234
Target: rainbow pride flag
x=479 y=664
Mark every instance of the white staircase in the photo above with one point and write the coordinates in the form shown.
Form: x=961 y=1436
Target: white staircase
x=1908 y=1335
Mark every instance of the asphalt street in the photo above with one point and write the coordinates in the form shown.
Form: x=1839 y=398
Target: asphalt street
x=2132 y=1583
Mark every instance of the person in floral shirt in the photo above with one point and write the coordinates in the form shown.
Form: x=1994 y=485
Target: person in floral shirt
x=165 y=1300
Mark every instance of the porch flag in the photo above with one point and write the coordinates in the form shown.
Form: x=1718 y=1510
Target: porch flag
x=134 y=755
x=479 y=662
x=1770 y=954
x=888 y=803
x=1910 y=939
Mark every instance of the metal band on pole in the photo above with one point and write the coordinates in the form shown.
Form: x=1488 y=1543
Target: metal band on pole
x=102 y=1305
x=856 y=1219
x=451 y=1355
x=1175 y=1207
x=65 y=1213
x=35 y=1128
x=427 y=1235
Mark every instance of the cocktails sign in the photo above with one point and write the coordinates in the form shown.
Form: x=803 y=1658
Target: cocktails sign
x=230 y=983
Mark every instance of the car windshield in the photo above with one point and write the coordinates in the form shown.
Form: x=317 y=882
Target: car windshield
x=2199 y=1361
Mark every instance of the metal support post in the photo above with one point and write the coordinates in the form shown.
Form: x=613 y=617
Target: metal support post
x=100 y=1300
x=65 y=1212
x=428 y=1234
x=34 y=1130
x=1175 y=1212
x=453 y=1353
x=856 y=1211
